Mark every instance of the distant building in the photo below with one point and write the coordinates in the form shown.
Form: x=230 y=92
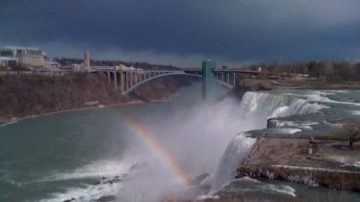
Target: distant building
x=124 y=67
x=86 y=62
x=52 y=65
x=22 y=56
x=7 y=62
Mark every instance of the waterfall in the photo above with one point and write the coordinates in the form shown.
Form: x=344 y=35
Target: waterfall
x=258 y=106
x=268 y=105
x=235 y=153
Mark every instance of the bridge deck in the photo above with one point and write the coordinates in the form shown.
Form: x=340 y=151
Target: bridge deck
x=129 y=79
x=245 y=71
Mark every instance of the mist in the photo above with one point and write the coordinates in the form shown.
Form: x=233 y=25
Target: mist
x=207 y=139
x=196 y=136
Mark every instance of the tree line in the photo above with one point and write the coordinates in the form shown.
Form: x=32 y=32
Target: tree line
x=326 y=70
x=143 y=65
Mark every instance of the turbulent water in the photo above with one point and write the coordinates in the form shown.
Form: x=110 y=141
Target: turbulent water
x=235 y=153
x=92 y=154
x=258 y=107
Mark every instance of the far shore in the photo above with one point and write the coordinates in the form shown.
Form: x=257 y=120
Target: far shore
x=4 y=121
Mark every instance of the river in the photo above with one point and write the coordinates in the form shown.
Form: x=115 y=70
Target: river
x=148 y=149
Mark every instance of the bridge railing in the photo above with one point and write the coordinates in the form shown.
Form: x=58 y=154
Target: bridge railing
x=129 y=79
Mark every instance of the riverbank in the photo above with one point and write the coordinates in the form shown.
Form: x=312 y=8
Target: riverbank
x=327 y=163
x=317 y=84
x=245 y=85
x=31 y=96
x=15 y=119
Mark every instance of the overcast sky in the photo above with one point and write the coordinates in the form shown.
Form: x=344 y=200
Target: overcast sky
x=183 y=32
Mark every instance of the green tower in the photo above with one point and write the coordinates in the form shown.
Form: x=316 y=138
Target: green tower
x=208 y=79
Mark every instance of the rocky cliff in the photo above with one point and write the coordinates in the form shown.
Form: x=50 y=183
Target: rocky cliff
x=32 y=95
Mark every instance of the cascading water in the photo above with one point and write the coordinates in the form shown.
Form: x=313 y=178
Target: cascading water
x=266 y=105
x=258 y=106
x=237 y=150
x=193 y=135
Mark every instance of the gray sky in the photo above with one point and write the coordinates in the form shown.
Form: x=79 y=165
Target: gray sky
x=183 y=32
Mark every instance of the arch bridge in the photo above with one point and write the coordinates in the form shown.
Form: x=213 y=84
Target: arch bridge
x=127 y=80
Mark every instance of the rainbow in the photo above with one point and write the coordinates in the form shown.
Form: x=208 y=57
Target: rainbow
x=167 y=159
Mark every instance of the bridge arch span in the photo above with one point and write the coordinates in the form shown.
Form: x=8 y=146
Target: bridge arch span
x=133 y=87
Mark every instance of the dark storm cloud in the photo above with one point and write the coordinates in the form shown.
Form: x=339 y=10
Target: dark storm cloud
x=236 y=30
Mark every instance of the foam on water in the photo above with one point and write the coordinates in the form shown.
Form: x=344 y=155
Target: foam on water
x=282 y=189
x=249 y=179
x=322 y=97
x=8 y=123
x=306 y=125
x=268 y=105
x=245 y=185
x=96 y=170
x=288 y=130
x=355 y=112
x=85 y=193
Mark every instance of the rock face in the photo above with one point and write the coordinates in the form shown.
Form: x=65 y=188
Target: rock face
x=31 y=95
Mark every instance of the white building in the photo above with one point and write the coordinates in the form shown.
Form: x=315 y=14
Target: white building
x=123 y=67
x=131 y=68
x=23 y=57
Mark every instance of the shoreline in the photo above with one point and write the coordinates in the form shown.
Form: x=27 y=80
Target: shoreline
x=73 y=92
x=268 y=84
x=19 y=119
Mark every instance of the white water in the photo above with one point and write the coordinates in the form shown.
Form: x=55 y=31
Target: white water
x=322 y=97
x=258 y=106
x=237 y=150
x=197 y=138
x=249 y=185
x=265 y=105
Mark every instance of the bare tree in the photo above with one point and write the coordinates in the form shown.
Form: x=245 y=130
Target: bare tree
x=352 y=132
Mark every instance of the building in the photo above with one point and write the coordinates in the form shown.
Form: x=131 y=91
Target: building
x=23 y=57
x=52 y=65
x=6 y=62
x=86 y=62
x=126 y=68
